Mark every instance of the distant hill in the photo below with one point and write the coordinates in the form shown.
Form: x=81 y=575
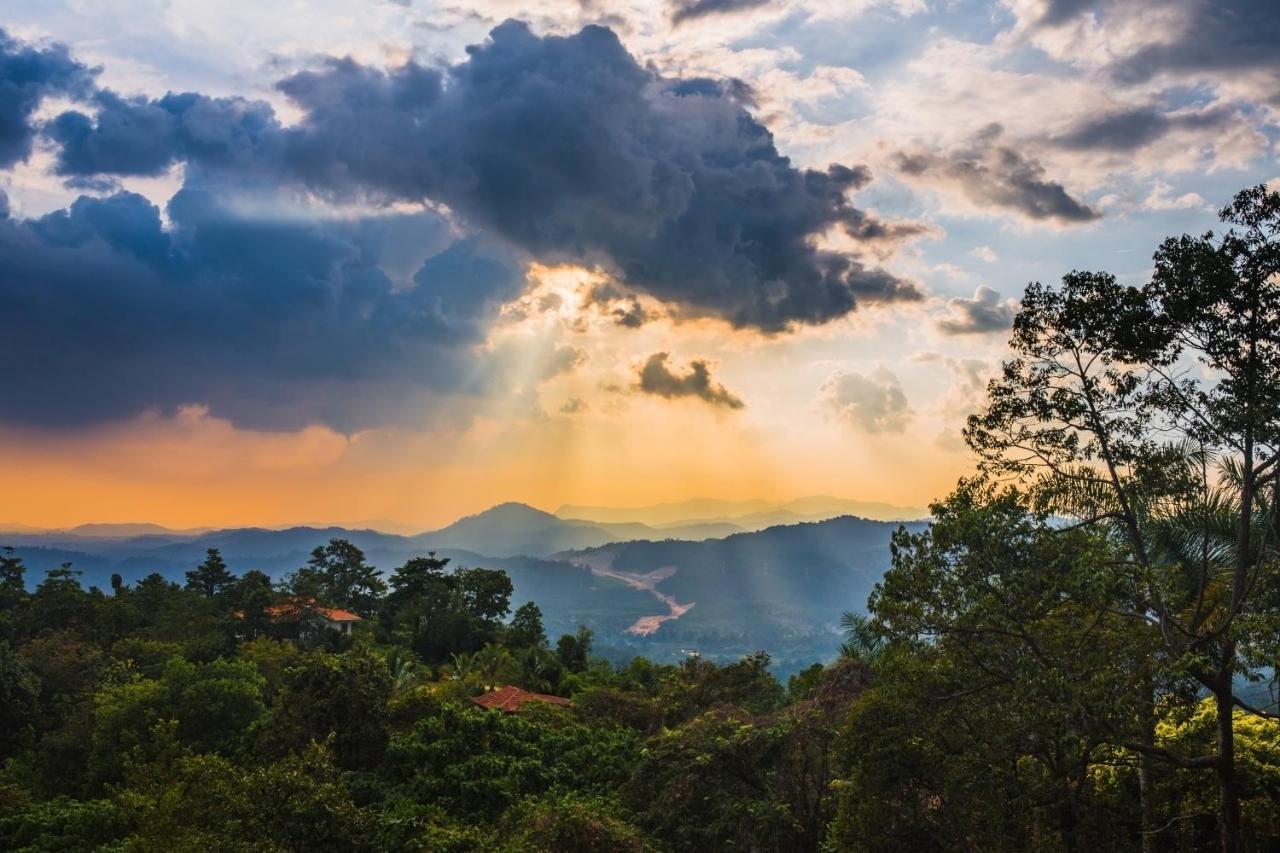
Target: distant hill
x=781 y=589
x=749 y=514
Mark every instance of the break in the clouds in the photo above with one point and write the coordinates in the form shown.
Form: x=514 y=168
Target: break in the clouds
x=993 y=174
x=558 y=149
x=870 y=403
x=566 y=147
x=657 y=377
x=985 y=313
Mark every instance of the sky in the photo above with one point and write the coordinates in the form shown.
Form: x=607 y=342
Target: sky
x=375 y=262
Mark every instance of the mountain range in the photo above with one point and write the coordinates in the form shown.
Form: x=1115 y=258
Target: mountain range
x=709 y=585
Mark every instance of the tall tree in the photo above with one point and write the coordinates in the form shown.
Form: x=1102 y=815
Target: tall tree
x=212 y=577
x=345 y=578
x=526 y=627
x=1102 y=415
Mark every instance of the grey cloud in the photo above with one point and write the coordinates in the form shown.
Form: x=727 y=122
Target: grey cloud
x=1060 y=11
x=566 y=147
x=1129 y=130
x=272 y=325
x=624 y=308
x=1214 y=36
x=985 y=313
x=992 y=174
x=686 y=10
x=656 y=377
x=872 y=403
x=28 y=75
x=1219 y=36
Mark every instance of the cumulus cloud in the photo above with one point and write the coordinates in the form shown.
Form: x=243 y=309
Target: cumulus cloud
x=657 y=377
x=991 y=174
x=1162 y=197
x=985 y=313
x=28 y=75
x=566 y=147
x=871 y=403
x=986 y=254
x=685 y=10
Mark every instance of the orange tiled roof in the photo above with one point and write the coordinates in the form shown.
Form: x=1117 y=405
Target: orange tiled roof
x=289 y=610
x=510 y=699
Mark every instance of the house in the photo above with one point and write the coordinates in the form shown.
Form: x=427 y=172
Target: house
x=512 y=699
x=297 y=611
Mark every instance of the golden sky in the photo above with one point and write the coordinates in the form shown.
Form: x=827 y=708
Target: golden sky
x=615 y=445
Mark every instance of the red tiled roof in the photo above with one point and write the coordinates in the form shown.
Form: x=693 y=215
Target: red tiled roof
x=290 y=610
x=510 y=699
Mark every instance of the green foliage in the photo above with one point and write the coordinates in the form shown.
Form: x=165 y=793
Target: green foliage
x=212 y=577
x=476 y=762
x=343 y=697
x=337 y=574
x=19 y=701
x=562 y=822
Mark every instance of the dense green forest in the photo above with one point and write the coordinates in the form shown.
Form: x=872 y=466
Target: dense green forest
x=1077 y=655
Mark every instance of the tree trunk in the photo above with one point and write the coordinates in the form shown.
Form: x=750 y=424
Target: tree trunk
x=1146 y=785
x=1228 y=790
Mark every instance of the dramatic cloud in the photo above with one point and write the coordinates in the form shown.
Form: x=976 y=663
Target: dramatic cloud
x=872 y=404
x=1129 y=130
x=624 y=308
x=565 y=146
x=137 y=136
x=1141 y=39
x=1214 y=36
x=684 y=10
x=271 y=324
x=990 y=174
x=985 y=313
x=28 y=75
x=657 y=378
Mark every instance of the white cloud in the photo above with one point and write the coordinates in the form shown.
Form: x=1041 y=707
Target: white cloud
x=873 y=403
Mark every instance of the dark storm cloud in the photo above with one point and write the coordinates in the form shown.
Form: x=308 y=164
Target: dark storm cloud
x=1129 y=130
x=985 y=313
x=992 y=174
x=564 y=146
x=28 y=75
x=657 y=378
x=686 y=10
x=137 y=136
x=273 y=325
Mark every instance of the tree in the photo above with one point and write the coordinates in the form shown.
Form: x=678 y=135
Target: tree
x=344 y=578
x=574 y=649
x=19 y=701
x=344 y=696
x=1020 y=622
x=212 y=577
x=1100 y=417
x=526 y=627
x=486 y=593
x=252 y=595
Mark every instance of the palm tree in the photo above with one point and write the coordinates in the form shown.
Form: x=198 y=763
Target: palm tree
x=861 y=641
